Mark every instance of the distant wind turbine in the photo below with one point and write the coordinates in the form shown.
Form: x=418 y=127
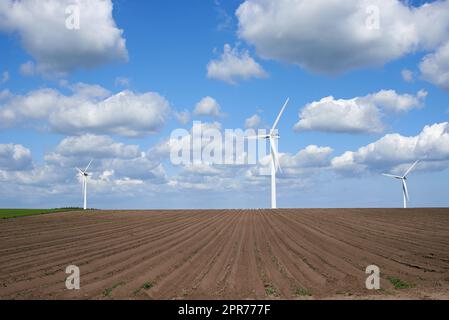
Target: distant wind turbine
x=403 y=178
x=84 y=174
x=275 y=165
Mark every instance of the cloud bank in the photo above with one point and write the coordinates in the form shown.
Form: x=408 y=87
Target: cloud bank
x=44 y=33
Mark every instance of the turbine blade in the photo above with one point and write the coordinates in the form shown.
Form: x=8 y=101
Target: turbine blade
x=275 y=155
x=391 y=176
x=280 y=115
x=80 y=171
x=257 y=137
x=88 y=165
x=410 y=169
x=404 y=186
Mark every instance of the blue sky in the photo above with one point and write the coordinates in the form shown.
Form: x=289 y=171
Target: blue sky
x=362 y=101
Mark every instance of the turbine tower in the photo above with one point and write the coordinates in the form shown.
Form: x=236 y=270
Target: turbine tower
x=84 y=174
x=275 y=165
x=403 y=179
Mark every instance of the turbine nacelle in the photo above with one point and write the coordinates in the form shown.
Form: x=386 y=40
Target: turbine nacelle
x=82 y=173
x=274 y=135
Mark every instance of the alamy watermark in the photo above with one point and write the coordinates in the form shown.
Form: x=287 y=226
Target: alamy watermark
x=373 y=280
x=72 y=282
x=372 y=21
x=209 y=145
x=73 y=17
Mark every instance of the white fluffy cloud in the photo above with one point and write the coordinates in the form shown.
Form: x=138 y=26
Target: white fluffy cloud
x=394 y=150
x=208 y=106
x=296 y=168
x=341 y=116
x=125 y=114
x=90 y=109
x=14 y=157
x=119 y=168
x=435 y=67
x=407 y=75
x=252 y=122
x=357 y=115
x=391 y=101
x=234 y=64
x=43 y=176
x=115 y=166
x=57 y=49
x=93 y=146
x=305 y=161
x=113 y=162
x=182 y=116
x=331 y=36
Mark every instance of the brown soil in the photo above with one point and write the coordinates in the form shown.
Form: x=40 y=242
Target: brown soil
x=228 y=254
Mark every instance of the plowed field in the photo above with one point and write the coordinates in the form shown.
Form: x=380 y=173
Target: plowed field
x=229 y=254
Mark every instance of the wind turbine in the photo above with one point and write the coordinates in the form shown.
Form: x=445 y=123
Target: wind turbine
x=275 y=165
x=84 y=174
x=404 y=182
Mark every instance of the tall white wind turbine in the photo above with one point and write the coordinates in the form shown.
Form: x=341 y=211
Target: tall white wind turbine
x=275 y=165
x=403 y=179
x=84 y=174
